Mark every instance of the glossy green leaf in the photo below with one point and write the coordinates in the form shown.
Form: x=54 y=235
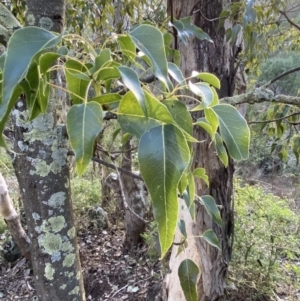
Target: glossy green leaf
x=212 y=119
x=150 y=41
x=183 y=183
x=234 y=131
x=131 y=81
x=188 y=273
x=5 y=109
x=127 y=46
x=211 y=238
x=77 y=80
x=33 y=40
x=182 y=228
x=221 y=150
x=110 y=99
x=163 y=156
x=211 y=208
x=186 y=29
x=84 y=123
x=132 y=118
x=101 y=60
x=208 y=78
x=176 y=73
x=201 y=174
x=204 y=124
x=191 y=193
x=204 y=91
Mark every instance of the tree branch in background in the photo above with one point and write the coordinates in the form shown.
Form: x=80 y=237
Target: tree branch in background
x=269 y=83
x=12 y=219
x=289 y=20
x=274 y=120
x=112 y=166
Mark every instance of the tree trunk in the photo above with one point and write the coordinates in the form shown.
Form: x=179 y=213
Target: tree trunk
x=41 y=166
x=134 y=197
x=218 y=59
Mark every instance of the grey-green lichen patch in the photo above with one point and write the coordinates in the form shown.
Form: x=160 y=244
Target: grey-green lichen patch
x=75 y=291
x=50 y=242
x=78 y=275
x=67 y=247
x=57 y=199
x=49 y=271
x=36 y=216
x=69 y=260
x=30 y=19
x=46 y=23
x=69 y=275
x=38 y=229
x=57 y=223
x=71 y=232
x=63 y=286
x=22 y=147
x=41 y=167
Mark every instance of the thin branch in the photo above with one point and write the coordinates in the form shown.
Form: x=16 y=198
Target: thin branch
x=112 y=166
x=269 y=83
x=125 y=204
x=274 y=120
x=289 y=20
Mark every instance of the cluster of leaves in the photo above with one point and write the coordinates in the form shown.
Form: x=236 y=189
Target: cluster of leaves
x=270 y=252
x=161 y=123
x=263 y=25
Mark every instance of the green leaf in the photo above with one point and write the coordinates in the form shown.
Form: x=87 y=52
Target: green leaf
x=191 y=193
x=127 y=46
x=211 y=238
x=5 y=109
x=131 y=81
x=84 y=123
x=180 y=114
x=208 y=78
x=182 y=228
x=221 y=150
x=110 y=99
x=132 y=118
x=77 y=81
x=163 y=156
x=101 y=61
x=211 y=208
x=201 y=174
x=186 y=29
x=234 y=131
x=204 y=124
x=33 y=40
x=212 y=119
x=188 y=273
x=204 y=91
x=150 y=41
x=176 y=73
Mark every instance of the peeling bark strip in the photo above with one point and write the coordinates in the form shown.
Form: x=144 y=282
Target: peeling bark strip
x=41 y=166
x=8 y=212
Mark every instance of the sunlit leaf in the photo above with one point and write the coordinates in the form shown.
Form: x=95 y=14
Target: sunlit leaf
x=234 y=131
x=163 y=156
x=201 y=174
x=221 y=150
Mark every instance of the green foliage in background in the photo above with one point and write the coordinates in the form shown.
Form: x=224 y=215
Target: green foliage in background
x=266 y=249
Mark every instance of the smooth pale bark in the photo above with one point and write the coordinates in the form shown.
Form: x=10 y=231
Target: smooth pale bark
x=41 y=166
x=217 y=58
x=8 y=212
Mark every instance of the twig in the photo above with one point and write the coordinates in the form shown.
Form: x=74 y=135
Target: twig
x=269 y=83
x=274 y=120
x=112 y=166
x=289 y=20
x=125 y=204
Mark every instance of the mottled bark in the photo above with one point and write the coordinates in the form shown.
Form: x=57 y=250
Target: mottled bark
x=217 y=58
x=12 y=219
x=41 y=166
